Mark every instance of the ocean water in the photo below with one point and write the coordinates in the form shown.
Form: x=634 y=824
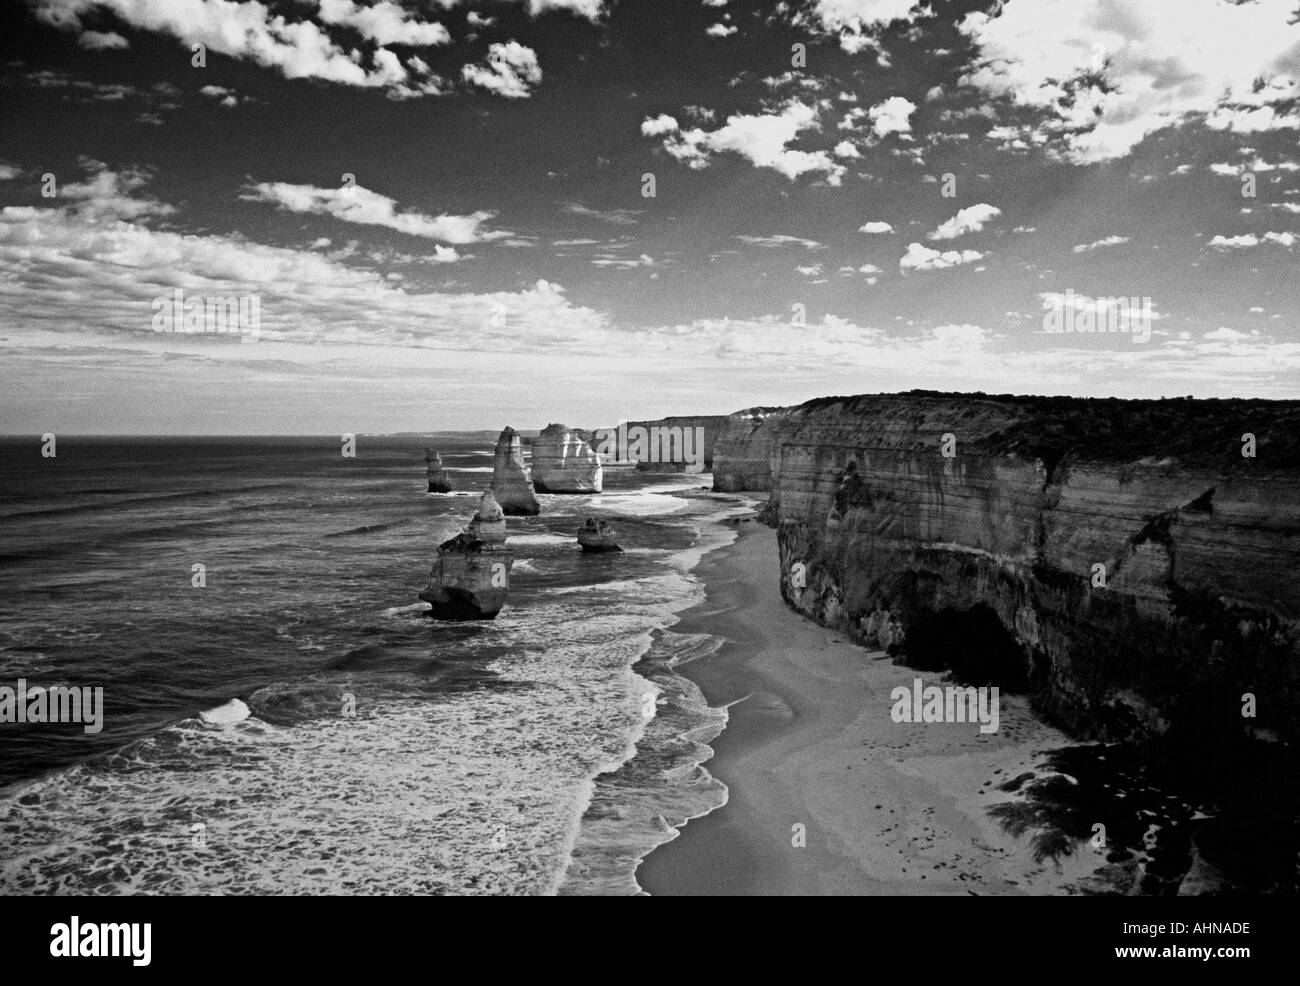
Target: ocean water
x=544 y=751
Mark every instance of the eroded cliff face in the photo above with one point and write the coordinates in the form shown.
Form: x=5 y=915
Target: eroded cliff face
x=1121 y=560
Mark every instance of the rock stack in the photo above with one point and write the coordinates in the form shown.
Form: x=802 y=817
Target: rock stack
x=471 y=573
x=597 y=537
x=564 y=463
x=439 y=481
x=510 y=479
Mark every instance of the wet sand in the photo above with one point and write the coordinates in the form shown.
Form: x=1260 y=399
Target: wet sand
x=886 y=808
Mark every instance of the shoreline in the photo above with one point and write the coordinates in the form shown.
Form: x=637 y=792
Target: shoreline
x=885 y=808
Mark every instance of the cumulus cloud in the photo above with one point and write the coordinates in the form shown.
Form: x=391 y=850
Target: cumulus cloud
x=384 y=23
x=1103 y=75
x=106 y=195
x=365 y=207
x=659 y=125
x=968 y=220
x=856 y=21
x=720 y=30
x=920 y=257
x=893 y=116
x=297 y=48
x=590 y=9
x=875 y=227
x=1251 y=240
x=761 y=139
x=510 y=71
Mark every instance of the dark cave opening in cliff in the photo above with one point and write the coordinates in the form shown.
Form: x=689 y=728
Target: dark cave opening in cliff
x=972 y=643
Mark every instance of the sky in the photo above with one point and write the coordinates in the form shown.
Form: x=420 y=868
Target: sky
x=462 y=214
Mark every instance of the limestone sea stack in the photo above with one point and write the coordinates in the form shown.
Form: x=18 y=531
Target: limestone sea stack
x=471 y=573
x=564 y=463
x=511 y=482
x=439 y=481
x=597 y=537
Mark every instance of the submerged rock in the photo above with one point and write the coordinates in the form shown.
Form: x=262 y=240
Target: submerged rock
x=597 y=536
x=439 y=481
x=471 y=572
x=511 y=481
x=563 y=462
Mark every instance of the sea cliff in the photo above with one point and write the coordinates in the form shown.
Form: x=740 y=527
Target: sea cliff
x=1133 y=565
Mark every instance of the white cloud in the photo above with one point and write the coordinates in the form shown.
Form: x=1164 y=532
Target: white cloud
x=761 y=139
x=365 y=207
x=67 y=274
x=102 y=41
x=224 y=97
x=658 y=125
x=875 y=227
x=845 y=149
x=720 y=30
x=1225 y=334
x=590 y=9
x=892 y=116
x=618 y=217
x=299 y=49
x=812 y=270
x=1098 y=244
x=510 y=70
x=1161 y=63
x=9 y=172
x=855 y=21
x=781 y=240
x=1251 y=240
x=919 y=257
x=384 y=23
x=623 y=263
x=968 y=220
x=109 y=196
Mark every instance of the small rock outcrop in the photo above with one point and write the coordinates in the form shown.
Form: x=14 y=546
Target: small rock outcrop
x=563 y=462
x=471 y=573
x=597 y=537
x=511 y=482
x=439 y=481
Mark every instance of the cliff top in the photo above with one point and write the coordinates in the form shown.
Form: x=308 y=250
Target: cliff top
x=1184 y=429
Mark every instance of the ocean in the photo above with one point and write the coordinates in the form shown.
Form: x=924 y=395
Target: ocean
x=297 y=724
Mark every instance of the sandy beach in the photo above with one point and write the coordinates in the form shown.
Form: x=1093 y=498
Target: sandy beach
x=886 y=808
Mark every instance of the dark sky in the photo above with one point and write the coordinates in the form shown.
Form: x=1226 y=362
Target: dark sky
x=908 y=207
